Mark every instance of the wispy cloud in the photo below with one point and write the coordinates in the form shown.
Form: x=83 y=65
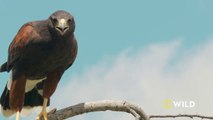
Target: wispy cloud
x=147 y=77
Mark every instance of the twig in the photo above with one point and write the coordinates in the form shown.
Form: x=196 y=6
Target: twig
x=181 y=115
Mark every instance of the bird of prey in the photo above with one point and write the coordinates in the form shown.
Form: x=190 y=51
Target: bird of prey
x=37 y=57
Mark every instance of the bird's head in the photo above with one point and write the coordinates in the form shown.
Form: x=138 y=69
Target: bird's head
x=62 y=22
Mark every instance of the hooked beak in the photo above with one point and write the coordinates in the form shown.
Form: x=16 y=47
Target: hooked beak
x=62 y=25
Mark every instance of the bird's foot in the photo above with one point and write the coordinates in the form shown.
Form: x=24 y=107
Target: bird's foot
x=43 y=113
x=17 y=115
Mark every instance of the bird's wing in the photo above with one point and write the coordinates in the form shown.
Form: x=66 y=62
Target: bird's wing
x=25 y=36
x=3 y=67
x=74 y=53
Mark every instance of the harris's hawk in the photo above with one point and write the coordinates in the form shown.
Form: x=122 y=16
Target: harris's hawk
x=38 y=56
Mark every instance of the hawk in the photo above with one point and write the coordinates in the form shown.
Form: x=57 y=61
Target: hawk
x=37 y=57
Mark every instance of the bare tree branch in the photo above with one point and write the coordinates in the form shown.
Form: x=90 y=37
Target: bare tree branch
x=181 y=115
x=121 y=106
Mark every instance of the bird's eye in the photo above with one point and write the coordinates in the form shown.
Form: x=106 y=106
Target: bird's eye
x=54 y=20
x=69 y=20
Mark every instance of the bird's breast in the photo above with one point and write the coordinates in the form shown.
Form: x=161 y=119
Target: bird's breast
x=44 y=58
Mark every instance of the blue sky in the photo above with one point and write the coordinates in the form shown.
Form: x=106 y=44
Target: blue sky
x=104 y=29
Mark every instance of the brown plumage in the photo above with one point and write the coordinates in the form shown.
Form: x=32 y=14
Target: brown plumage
x=39 y=54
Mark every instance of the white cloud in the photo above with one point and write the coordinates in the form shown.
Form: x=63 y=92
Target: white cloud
x=146 y=77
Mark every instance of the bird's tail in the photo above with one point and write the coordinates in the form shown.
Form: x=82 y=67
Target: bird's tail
x=5 y=108
x=32 y=99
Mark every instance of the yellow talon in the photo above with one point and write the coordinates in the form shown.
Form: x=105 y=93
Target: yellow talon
x=43 y=111
x=17 y=115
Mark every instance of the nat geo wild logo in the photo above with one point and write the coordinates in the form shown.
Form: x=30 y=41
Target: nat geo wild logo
x=169 y=104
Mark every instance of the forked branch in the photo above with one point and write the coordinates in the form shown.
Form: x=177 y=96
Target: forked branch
x=119 y=106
